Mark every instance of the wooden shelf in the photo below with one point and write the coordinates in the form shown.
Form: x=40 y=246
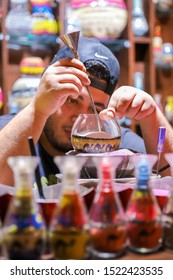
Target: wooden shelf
x=11 y=55
x=142 y=40
x=133 y=53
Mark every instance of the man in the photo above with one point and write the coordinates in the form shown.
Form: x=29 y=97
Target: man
x=62 y=96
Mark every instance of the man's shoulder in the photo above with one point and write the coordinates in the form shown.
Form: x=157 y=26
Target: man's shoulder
x=4 y=119
x=132 y=141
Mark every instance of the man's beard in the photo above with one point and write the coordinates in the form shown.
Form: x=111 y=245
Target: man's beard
x=58 y=145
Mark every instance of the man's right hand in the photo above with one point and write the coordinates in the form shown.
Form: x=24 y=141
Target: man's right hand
x=64 y=78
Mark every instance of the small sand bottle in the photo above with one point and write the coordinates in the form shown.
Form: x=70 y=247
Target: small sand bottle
x=24 y=230
x=143 y=215
x=106 y=217
x=69 y=230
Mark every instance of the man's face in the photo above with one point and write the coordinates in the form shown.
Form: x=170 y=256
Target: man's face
x=56 y=137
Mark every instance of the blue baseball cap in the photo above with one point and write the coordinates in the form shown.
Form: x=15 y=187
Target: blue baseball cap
x=90 y=51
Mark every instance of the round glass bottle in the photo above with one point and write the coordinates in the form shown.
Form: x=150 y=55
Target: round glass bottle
x=89 y=137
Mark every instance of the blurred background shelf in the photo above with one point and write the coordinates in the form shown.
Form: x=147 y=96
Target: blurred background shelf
x=134 y=53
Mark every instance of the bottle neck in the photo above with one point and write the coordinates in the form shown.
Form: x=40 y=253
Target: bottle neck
x=142 y=184
x=106 y=180
x=24 y=183
x=19 y=6
x=69 y=181
x=138 y=5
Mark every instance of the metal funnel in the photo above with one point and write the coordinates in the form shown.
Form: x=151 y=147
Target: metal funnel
x=71 y=40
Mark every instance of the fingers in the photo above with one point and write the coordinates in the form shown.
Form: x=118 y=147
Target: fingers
x=110 y=112
x=130 y=102
x=68 y=71
x=64 y=78
x=70 y=62
x=73 y=66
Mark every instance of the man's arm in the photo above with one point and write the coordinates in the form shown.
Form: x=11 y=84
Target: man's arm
x=14 y=138
x=139 y=105
x=61 y=79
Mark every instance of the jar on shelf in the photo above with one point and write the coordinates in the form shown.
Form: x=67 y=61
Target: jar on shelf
x=169 y=109
x=167 y=50
x=139 y=80
x=44 y=25
x=18 y=22
x=139 y=22
x=25 y=86
x=102 y=19
x=157 y=44
x=163 y=5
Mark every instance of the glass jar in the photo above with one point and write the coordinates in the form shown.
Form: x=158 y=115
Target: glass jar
x=102 y=19
x=18 y=22
x=139 y=22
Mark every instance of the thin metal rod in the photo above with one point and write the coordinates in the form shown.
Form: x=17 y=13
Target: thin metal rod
x=158 y=163
x=94 y=108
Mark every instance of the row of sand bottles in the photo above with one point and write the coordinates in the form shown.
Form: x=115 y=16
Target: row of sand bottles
x=105 y=231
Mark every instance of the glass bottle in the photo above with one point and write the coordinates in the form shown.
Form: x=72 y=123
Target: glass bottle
x=87 y=16
x=167 y=50
x=44 y=24
x=143 y=215
x=69 y=229
x=157 y=44
x=139 y=80
x=139 y=22
x=24 y=229
x=169 y=109
x=18 y=21
x=106 y=216
x=168 y=210
x=25 y=86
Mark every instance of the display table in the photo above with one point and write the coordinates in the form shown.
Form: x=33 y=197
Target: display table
x=161 y=255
